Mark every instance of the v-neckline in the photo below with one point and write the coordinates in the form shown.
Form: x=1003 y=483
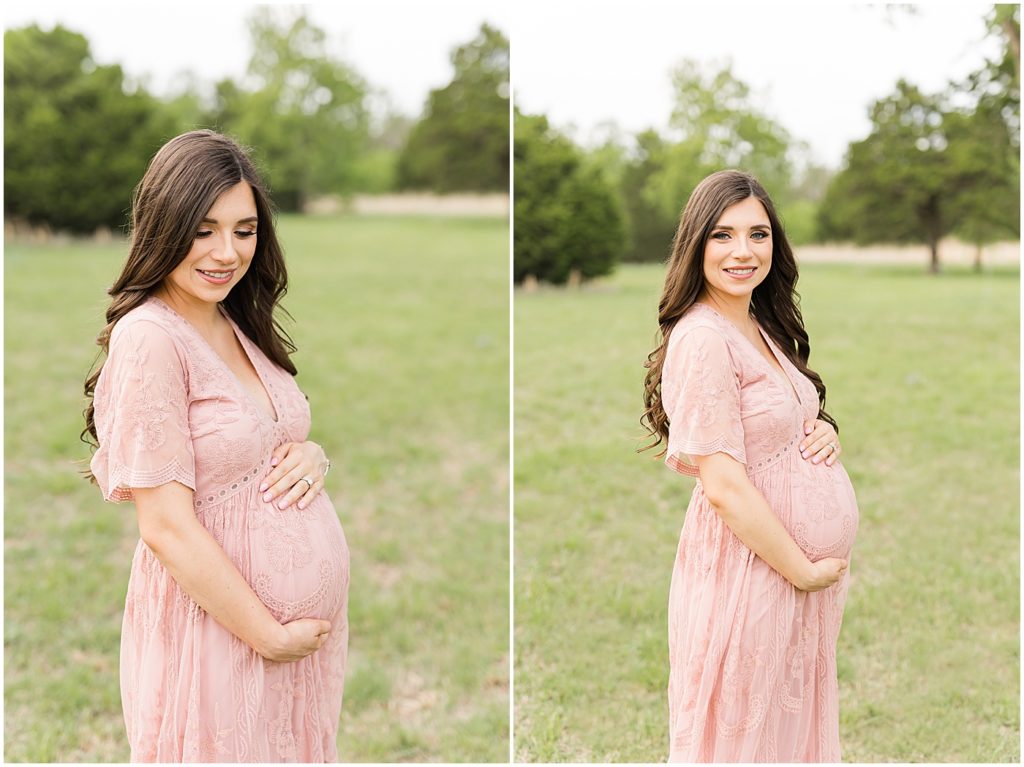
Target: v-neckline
x=239 y=335
x=771 y=348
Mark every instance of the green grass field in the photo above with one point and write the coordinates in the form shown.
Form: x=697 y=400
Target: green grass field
x=922 y=375
x=402 y=329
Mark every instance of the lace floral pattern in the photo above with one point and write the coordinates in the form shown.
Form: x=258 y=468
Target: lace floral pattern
x=169 y=409
x=752 y=660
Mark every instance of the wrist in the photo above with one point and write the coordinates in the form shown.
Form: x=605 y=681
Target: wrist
x=269 y=639
x=802 y=575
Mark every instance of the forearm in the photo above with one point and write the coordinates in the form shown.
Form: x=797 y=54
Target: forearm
x=746 y=512
x=205 y=572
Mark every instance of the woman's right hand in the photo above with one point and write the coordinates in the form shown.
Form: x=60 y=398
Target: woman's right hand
x=822 y=574
x=296 y=640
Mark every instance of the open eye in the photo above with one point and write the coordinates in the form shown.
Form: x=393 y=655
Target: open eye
x=759 y=235
x=720 y=236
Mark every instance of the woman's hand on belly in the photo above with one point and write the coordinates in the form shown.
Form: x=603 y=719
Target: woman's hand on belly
x=296 y=640
x=820 y=443
x=298 y=474
x=822 y=574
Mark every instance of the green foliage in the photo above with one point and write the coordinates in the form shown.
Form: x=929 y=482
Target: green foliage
x=718 y=128
x=925 y=170
x=461 y=142
x=651 y=225
x=714 y=125
x=937 y=164
x=387 y=313
x=76 y=139
x=304 y=113
x=929 y=649
x=567 y=217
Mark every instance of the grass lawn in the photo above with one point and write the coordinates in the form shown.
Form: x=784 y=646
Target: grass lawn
x=922 y=375
x=402 y=329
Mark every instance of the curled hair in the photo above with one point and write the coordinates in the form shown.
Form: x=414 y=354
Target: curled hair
x=775 y=304
x=181 y=184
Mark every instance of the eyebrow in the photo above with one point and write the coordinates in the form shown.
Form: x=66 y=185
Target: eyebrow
x=755 y=226
x=250 y=220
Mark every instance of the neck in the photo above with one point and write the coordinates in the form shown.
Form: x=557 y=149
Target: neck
x=734 y=308
x=202 y=315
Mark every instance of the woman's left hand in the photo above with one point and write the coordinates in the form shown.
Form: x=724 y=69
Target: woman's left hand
x=294 y=463
x=820 y=443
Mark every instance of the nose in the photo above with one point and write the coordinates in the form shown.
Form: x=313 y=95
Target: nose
x=742 y=247
x=223 y=250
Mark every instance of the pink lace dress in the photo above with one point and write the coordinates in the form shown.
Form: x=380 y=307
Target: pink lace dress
x=753 y=660
x=167 y=408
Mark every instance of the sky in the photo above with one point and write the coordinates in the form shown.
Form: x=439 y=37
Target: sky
x=814 y=68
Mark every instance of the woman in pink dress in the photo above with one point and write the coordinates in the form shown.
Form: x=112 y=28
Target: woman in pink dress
x=234 y=640
x=760 y=576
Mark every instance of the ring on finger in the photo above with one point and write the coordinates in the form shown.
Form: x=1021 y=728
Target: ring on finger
x=307 y=480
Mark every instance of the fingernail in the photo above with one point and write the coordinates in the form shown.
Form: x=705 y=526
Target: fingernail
x=302 y=505
x=273 y=462
x=266 y=497
x=807 y=430
x=281 y=505
x=263 y=487
x=803 y=453
x=815 y=460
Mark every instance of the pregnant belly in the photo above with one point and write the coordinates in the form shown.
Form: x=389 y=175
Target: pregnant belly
x=299 y=561
x=824 y=514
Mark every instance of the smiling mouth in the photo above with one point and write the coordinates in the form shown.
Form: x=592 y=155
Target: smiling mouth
x=217 y=275
x=742 y=270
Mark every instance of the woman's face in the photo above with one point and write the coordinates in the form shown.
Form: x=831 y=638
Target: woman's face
x=738 y=253
x=221 y=251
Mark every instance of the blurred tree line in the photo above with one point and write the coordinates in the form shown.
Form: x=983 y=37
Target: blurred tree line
x=933 y=165
x=78 y=135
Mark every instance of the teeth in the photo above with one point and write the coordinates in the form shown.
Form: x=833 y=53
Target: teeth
x=744 y=270
x=216 y=275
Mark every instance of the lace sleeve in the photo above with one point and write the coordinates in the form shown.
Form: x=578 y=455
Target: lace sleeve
x=702 y=399
x=141 y=412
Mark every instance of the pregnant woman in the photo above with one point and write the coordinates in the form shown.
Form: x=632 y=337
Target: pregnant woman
x=760 y=579
x=234 y=640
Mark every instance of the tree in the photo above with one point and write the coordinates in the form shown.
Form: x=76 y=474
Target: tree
x=76 y=140
x=898 y=184
x=718 y=127
x=990 y=211
x=461 y=142
x=714 y=125
x=566 y=215
x=302 y=109
x=651 y=224
x=926 y=170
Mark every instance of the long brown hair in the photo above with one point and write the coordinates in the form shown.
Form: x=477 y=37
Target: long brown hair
x=181 y=184
x=775 y=304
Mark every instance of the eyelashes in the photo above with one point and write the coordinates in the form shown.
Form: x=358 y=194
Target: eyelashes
x=758 y=236
x=244 y=234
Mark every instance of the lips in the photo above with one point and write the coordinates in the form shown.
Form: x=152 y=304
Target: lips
x=218 y=277
x=740 y=272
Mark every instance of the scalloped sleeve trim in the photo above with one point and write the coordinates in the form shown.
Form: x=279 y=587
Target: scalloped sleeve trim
x=122 y=479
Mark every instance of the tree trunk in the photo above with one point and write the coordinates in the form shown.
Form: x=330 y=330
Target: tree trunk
x=933 y=227
x=933 y=247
